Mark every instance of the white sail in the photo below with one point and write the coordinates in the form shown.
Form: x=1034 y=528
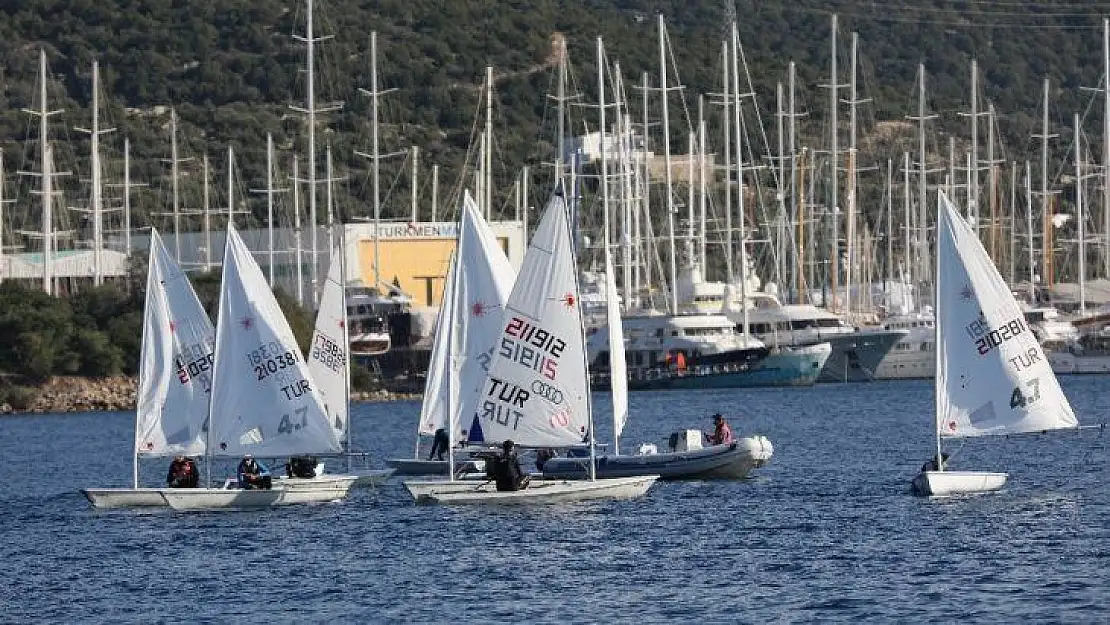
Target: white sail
x=618 y=370
x=992 y=375
x=175 y=370
x=536 y=390
x=478 y=287
x=328 y=352
x=262 y=400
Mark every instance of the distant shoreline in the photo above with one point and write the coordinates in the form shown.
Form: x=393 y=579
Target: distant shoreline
x=111 y=394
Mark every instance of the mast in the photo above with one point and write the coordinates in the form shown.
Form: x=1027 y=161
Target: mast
x=487 y=166
x=939 y=326
x=126 y=195
x=605 y=225
x=415 y=194
x=375 y=155
x=230 y=185
x=347 y=336
x=907 y=253
x=667 y=166
x=47 y=174
x=1029 y=230
x=207 y=215
x=918 y=262
x=889 y=228
x=792 y=143
x=740 y=183
x=1013 y=222
x=702 y=261
x=992 y=182
x=435 y=192
x=1046 y=240
x=973 y=181
x=175 y=173
x=834 y=175
x=297 y=229
x=310 y=42
x=780 y=244
x=97 y=198
x=1080 y=218
x=643 y=268
x=270 y=205
x=1106 y=147
x=851 y=234
x=726 y=126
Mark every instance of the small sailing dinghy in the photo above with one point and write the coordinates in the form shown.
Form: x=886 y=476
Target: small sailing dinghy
x=728 y=461
x=536 y=389
x=479 y=280
x=175 y=376
x=262 y=401
x=329 y=362
x=992 y=376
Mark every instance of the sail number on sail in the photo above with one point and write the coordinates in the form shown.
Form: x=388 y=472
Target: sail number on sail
x=194 y=362
x=269 y=358
x=987 y=338
x=1020 y=400
x=326 y=352
x=532 y=347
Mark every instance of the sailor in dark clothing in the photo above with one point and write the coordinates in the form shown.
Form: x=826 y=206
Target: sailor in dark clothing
x=182 y=473
x=507 y=472
x=439 y=444
x=933 y=465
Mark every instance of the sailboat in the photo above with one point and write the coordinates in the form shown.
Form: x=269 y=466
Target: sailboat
x=992 y=376
x=478 y=284
x=329 y=362
x=729 y=461
x=175 y=377
x=536 y=389
x=262 y=400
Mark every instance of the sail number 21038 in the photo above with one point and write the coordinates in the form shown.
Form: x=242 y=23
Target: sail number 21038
x=269 y=358
x=1019 y=399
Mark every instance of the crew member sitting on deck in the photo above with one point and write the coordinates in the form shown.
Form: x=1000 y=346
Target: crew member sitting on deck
x=722 y=433
x=183 y=473
x=933 y=465
x=252 y=474
x=440 y=443
x=301 y=466
x=506 y=471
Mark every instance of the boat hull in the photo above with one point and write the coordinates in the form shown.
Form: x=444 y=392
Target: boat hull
x=949 y=483
x=550 y=492
x=792 y=366
x=856 y=356
x=424 y=488
x=416 y=466
x=108 y=498
x=286 y=491
x=723 y=462
x=1064 y=362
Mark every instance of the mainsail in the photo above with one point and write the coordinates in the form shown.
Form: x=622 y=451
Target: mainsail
x=618 y=370
x=535 y=391
x=469 y=324
x=328 y=352
x=262 y=400
x=175 y=370
x=992 y=375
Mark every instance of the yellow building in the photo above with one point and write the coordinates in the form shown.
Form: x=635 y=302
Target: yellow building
x=415 y=256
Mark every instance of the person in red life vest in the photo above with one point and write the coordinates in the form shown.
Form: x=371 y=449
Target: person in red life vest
x=722 y=433
x=680 y=362
x=183 y=473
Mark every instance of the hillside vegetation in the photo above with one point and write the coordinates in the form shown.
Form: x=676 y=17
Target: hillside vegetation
x=232 y=68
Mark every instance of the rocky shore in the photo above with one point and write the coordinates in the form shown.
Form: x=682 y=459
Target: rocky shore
x=76 y=394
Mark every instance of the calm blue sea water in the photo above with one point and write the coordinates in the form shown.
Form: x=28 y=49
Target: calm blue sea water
x=826 y=532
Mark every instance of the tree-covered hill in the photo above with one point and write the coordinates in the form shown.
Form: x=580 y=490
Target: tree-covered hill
x=233 y=68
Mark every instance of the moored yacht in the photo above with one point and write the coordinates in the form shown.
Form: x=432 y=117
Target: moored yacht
x=914 y=355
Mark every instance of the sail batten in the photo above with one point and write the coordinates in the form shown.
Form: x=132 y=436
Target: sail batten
x=992 y=376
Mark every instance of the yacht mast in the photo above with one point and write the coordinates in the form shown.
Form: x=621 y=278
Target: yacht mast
x=97 y=198
x=605 y=225
x=667 y=164
x=834 y=175
x=740 y=183
x=1080 y=217
x=207 y=210
x=297 y=246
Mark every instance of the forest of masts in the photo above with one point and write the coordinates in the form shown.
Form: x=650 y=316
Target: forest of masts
x=832 y=209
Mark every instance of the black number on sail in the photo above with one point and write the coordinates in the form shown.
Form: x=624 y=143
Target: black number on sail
x=286 y=426
x=1019 y=400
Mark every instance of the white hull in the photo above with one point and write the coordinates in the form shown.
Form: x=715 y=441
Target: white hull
x=948 y=483
x=907 y=365
x=416 y=466
x=722 y=462
x=1065 y=362
x=105 y=498
x=286 y=491
x=425 y=488
x=548 y=492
